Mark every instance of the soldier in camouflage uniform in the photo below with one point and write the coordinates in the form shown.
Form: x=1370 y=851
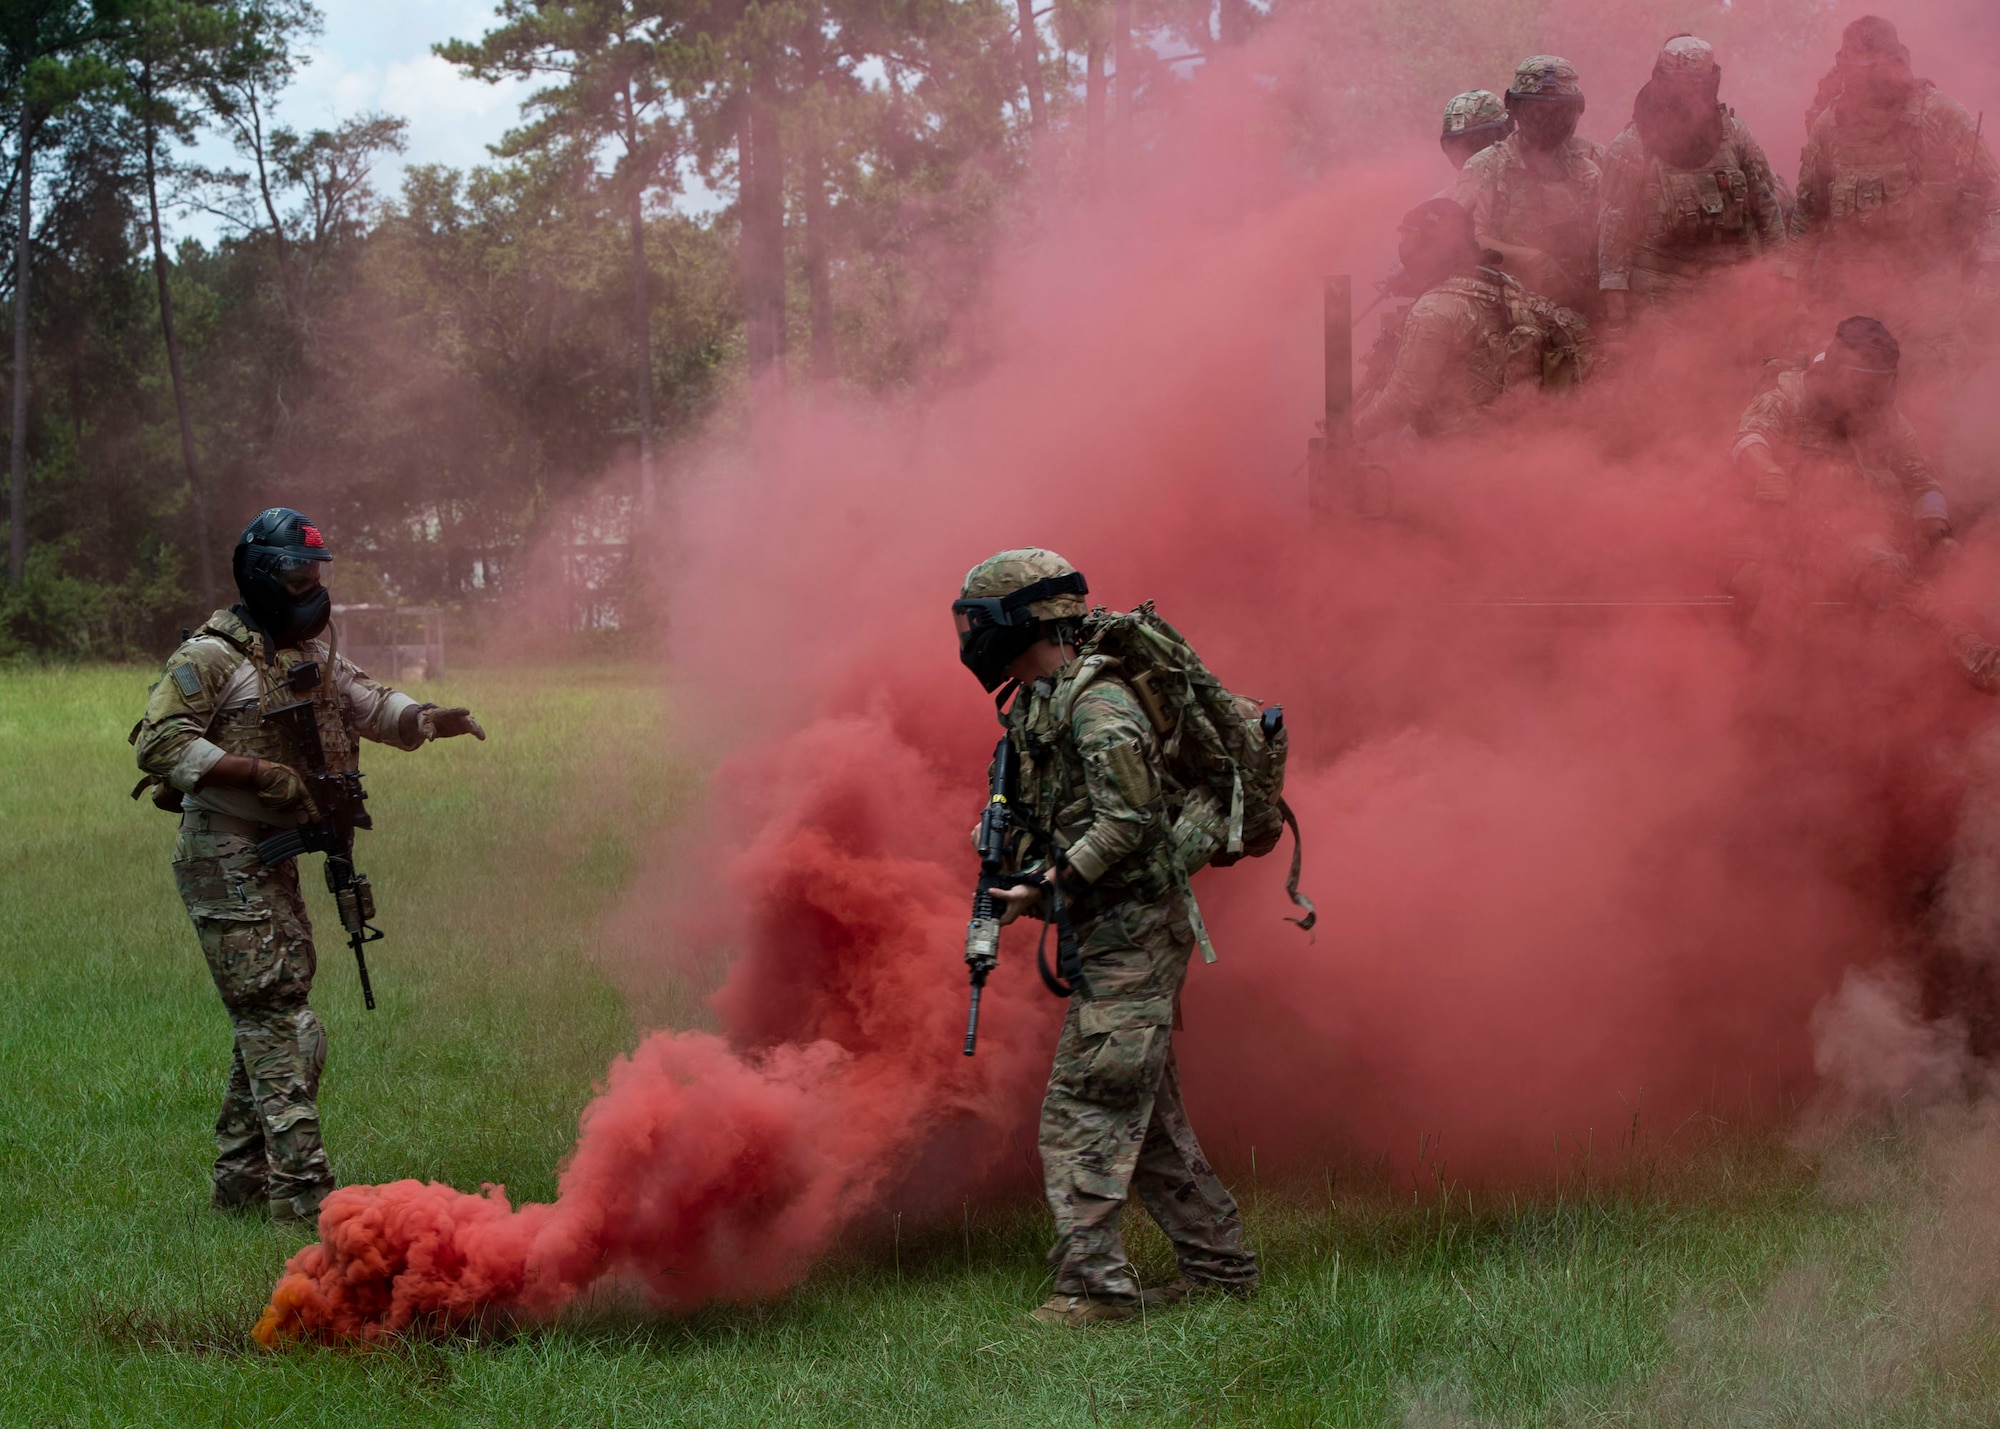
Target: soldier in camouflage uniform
x=1534 y=196
x=1899 y=202
x=1473 y=122
x=1687 y=191
x=1471 y=338
x=207 y=751
x=1837 y=474
x=1113 y=1123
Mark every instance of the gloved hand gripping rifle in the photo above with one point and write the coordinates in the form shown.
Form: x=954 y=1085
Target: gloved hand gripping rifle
x=982 y=935
x=337 y=800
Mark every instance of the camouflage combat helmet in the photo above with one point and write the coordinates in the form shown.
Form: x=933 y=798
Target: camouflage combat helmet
x=1685 y=57
x=1472 y=112
x=1545 y=77
x=1010 y=571
x=1870 y=38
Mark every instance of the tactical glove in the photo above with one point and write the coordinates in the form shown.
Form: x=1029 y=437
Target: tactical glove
x=434 y=722
x=279 y=788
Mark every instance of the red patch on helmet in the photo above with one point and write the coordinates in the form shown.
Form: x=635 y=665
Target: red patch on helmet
x=311 y=537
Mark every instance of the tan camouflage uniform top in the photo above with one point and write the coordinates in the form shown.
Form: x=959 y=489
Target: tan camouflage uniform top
x=211 y=698
x=1524 y=198
x=1898 y=214
x=1086 y=774
x=1670 y=222
x=1910 y=189
x=1882 y=460
x=1852 y=498
x=1447 y=365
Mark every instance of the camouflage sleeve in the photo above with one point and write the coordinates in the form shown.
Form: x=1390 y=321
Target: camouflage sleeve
x=1915 y=473
x=1623 y=224
x=1767 y=210
x=1431 y=341
x=1767 y=424
x=172 y=742
x=373 y=710
x=1120 y=777
x=1809 y=219
x=1473 y=192
x=1977 y=177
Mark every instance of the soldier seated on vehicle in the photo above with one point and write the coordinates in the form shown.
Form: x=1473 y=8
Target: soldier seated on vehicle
x=1899 y=201
x=1846 y=495
x=1473 y=122
x=1474 y=335
x=1534 y=196
x=1688 y=193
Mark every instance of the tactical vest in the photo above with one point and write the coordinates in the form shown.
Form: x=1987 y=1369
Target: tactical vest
x=1891 y=190
x=1530 y=341
x=1831 y=465
x=1052 y=788
x=245 y=731
x=1698 y=207
x=1556 y=214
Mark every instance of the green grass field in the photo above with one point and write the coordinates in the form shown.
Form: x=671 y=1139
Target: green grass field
x=1747 y=1289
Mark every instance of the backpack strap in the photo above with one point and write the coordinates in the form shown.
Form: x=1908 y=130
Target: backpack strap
x=1195 y=920
x=1088 y=670
x=1292 y=879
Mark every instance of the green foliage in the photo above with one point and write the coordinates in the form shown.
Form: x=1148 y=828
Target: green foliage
x=67 y=617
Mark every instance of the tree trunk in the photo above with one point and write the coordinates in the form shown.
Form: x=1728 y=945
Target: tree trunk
x=763 y=228
x=642 y=309
x=17 y=492
x=204 y=550
x=1093 y=113
x=642 y=337
x=1233 y=23
x=1031 y=64
x=819 y=286
x=287 y=296
x=1121 y=59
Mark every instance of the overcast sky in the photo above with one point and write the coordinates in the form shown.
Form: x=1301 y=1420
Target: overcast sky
x=376 y=55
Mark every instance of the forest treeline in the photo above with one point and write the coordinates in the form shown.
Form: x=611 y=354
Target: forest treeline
x=703 y=199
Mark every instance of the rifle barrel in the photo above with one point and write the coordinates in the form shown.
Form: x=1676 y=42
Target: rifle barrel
x=972 y=1020
x=355 y=940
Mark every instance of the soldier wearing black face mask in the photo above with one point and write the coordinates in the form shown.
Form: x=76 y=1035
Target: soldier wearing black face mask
x=211 y=754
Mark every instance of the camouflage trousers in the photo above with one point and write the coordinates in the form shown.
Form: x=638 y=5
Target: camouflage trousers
x=253 y=929
x=1113 y=1123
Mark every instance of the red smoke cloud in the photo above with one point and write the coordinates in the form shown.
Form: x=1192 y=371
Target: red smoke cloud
x=1561 y=873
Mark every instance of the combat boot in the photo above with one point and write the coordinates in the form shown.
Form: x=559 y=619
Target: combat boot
x=301 y=1210
x=1075 y=1311
x=234 y=1199
x=1185 y=1291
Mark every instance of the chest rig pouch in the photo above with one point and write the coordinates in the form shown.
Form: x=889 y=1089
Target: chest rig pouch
x=292 y=678
x=1706 y=202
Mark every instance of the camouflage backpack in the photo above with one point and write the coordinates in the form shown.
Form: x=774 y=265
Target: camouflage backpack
x=1223 y=754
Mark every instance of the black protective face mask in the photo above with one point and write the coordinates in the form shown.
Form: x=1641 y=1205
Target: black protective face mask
x=288 y=619
x=310 y=614
x=988 y=650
